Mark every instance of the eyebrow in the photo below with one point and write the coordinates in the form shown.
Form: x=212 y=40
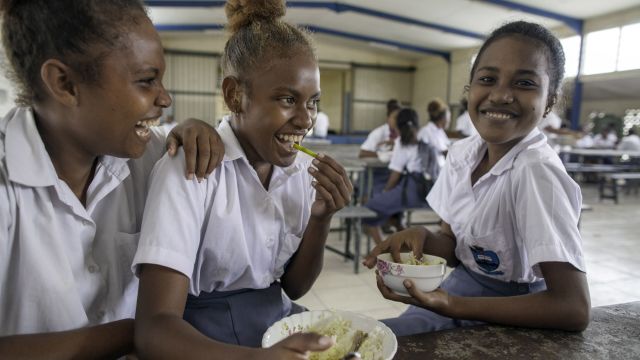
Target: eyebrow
x=293 y=91
x=147 y=70
x=519 y=71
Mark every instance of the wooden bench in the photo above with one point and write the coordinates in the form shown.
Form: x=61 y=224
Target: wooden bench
x=613 y=180
x=352 y=216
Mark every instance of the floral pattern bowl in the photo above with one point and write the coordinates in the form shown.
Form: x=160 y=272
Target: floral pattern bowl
x=425 y=277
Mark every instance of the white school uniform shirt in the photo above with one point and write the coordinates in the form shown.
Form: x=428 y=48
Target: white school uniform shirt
x=227 y=232
x=524 y=211
x=375 y=137
x=64 y=266
x=465 y=125
x=630 y=143
x=405 y=156
x=436 y=137
x=608 y=143
x=321 y=128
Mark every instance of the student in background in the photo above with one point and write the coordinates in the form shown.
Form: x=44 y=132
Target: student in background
x=406 y=187
x=509 y=209
x=75 y=158
x=630 y=142
x=383 y=137
x=607 y=138
x=321 y=128
x=214 y=279
x=464 y=126
x=433 y=133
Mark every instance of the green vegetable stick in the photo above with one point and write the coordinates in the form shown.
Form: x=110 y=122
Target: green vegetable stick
x=305 y=150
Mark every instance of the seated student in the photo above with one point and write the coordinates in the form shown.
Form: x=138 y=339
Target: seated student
x=75 y=157
x=433 y=133
x=607 y=138
x=407 y=186
x=214 y=257
x=383 y=137
x=509 y=209
x=464 y=126
x=630 y=142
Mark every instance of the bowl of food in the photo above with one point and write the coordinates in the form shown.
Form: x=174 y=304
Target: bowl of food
x=426 y=273
x=343 y=326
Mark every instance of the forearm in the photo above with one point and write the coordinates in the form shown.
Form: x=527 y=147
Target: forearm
x=393 y=180
x=167 y=336
x=540 y=310
x=367 y=153
x=304 y=268
x=107 y=341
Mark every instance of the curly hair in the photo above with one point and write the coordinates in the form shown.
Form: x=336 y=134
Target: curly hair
x=258 y=34
x=542 y=37
x=71 y=31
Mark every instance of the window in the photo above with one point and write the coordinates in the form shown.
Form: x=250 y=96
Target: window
x=571 y=47
x=629 y=57
x=601 y=51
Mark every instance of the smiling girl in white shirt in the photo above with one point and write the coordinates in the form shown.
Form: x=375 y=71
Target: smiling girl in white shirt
x=220 y=252
x=509 y=209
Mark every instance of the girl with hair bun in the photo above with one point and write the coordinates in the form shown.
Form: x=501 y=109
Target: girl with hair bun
x=75 y=158
x=509 y=209
x=214 y=271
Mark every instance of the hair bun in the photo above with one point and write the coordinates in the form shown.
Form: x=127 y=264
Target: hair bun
x=241 y=13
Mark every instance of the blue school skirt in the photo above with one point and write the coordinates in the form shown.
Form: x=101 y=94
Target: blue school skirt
x=461 y=282
x=408 y=193
x=238 y=317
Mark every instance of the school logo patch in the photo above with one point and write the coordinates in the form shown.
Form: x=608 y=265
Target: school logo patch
x=487 y=260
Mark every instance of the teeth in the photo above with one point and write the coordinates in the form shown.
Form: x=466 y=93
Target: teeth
x=290 y=137
x=144 y=132
x=148 y=123
x=501 y=116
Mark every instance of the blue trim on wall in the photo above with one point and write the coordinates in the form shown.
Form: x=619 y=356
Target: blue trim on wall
x=335 y=7
x=575 y=24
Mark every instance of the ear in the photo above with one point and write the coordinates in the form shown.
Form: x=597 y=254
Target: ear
x=59 y=82
x=232 y=92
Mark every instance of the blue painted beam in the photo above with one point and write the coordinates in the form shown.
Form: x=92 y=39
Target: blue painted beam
x=335 y=7
x=575 y=24
x=321 y=30
x=189 y=27
x=317 y=29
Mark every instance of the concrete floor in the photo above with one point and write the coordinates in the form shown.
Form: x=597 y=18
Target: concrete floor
x=611 y=241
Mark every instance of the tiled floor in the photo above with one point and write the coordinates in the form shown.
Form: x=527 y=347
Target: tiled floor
x=611 y=239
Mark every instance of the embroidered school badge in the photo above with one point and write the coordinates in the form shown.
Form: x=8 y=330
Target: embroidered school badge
x=487 y=260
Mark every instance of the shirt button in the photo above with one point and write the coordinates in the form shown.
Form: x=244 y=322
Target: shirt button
x=92 y=268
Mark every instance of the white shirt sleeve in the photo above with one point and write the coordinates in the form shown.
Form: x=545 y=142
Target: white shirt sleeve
x=547 y=208
x=438 y=197
x=375 y=137
x=174 y=214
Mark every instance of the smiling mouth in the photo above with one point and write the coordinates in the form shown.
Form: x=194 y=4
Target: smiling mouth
x=497 y=115
x=143 y=127
x=290 y=138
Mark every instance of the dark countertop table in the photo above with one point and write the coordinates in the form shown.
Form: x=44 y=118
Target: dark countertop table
x=613 y=333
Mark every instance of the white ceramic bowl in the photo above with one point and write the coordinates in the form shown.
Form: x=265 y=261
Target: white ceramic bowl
x=425 y=277
x=302 y=321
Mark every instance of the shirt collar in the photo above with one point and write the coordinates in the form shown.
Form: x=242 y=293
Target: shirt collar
x=28 y=162
x=476 y=147
x=233 y=150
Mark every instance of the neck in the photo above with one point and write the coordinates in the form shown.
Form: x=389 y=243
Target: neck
x=263 y=168
x=494 y=153
x=73 y=164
